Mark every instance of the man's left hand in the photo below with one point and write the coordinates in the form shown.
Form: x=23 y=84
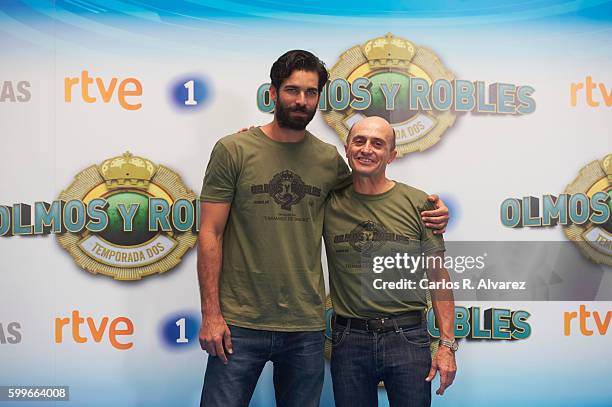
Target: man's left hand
x=438 y=218
x=444 y=362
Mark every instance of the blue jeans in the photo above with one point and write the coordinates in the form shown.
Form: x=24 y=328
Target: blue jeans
x=298 y=368
x=361 y=359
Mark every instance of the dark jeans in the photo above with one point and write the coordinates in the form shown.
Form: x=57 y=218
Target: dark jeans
x=361 y=359
x=298 y=369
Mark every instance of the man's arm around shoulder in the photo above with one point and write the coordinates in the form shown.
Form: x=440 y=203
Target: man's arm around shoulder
x=215 y=335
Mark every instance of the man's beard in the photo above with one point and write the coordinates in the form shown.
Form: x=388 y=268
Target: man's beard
x=284 y=119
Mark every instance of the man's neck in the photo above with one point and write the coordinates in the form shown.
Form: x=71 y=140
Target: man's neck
x=372 y=185
x=283 y=134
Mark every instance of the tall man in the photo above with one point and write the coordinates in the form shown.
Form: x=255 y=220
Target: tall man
x=259 y=268
x=380 y=332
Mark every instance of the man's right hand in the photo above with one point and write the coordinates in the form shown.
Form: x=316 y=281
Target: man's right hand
x=215 y=337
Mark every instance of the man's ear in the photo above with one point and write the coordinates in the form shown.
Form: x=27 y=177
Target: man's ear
x=273 y=93
x=346 y=147
x=393 y=156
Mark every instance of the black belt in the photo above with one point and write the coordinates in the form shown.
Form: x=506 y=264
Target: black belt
x=407 y=320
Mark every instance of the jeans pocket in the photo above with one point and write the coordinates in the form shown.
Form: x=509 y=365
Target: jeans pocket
x=417 y=336
x=338 y=335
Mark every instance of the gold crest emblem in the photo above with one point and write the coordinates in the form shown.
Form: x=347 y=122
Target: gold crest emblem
x=594 y=241
x=389 y=62
x=127 y=181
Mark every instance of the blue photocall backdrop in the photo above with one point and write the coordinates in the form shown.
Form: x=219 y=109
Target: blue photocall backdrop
x=90 y=86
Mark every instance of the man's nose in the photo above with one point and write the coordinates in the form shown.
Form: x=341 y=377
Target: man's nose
x=367 y=147
x=301 y=98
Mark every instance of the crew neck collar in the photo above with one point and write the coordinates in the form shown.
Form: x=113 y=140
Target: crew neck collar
x=285 y=144
x=374 y=197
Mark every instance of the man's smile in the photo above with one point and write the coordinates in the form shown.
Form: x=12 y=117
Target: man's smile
x=365 y=160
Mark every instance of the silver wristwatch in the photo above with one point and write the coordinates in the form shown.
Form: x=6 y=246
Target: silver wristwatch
x=452 y=345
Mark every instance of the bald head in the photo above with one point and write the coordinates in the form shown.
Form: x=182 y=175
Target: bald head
x=374 y=124
x=370 y=147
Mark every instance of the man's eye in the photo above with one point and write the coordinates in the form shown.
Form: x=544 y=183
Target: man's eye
x=292 y=91
x=312 y=92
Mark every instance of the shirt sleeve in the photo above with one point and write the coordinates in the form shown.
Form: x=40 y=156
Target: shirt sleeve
x=221 y=176
x=430 y=243
x=344 y=178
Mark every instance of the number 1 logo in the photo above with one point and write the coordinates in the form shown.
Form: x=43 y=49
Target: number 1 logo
x=190 y=92
x=180 y=330
x=189 y=85
x=181 y=338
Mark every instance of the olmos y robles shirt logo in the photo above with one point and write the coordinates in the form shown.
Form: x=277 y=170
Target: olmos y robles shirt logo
x=286 y=188
x=137 y=240
x=369 y=236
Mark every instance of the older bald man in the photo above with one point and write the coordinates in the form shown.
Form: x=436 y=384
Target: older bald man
x=380 y=333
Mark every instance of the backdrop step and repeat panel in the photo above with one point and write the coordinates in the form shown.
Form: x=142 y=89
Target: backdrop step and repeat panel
x=109 y=111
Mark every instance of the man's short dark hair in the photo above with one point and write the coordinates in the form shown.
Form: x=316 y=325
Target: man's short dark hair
x=297 y=60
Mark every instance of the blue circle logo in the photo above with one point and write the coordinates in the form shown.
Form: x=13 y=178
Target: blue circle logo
x=180 y=330
x=190 y=92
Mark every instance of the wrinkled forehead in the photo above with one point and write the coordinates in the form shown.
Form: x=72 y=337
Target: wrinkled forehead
x=372 y=129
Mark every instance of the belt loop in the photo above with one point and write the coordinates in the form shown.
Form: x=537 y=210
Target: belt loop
x=348 y=325
x=397 y=328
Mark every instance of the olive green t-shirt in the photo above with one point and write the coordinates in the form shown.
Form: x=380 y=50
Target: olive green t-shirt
x=359 y=228
x=271 y=276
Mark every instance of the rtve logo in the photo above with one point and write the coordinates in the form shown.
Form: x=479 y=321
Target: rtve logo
x=584 y=315
x=94 y=89
x=96 y=330
x=590 y=90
